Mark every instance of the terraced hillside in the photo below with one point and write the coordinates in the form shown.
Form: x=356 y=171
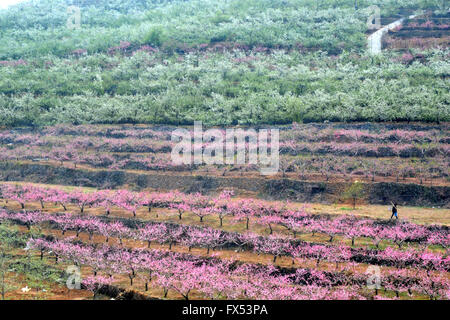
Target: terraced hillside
x=425 y=31
x=147 y=251
x=93 y=205
x=407 y=164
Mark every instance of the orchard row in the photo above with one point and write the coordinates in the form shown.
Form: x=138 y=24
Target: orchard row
x=343 y=144
x=395 y=167
x=215 y=278
x=298 y=132
x=296 y=221
x=200 y=237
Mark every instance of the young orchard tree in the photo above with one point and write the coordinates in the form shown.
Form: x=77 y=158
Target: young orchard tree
x=291 y=224
x=118 y=230
x=243 y=210
x=301 y=167
x=218 y=284
x=431 y=170
x=181 y=208
x=185 y=282
x=435 y=286
x=221 y=213
x=324 y=167
x=202 y=212
x=150 y=200
x=104 y=199
x=372 y=167
x=220 y=204
x=34 y=194
x=270 y=220
x=334 y=227
x=58 y=197
x=14 y=193
x=172 y=236
x=82 y=199
x=152 y=232
x=129 y=201
x=274 y=246
x=353 y=230
x=213 y=239
x=147 y=269
x=354 y=192
x=164 y=274
x=285 y=166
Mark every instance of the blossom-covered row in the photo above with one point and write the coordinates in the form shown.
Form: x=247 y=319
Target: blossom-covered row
x=229 y=279
x=191 y=236
x=296 y=221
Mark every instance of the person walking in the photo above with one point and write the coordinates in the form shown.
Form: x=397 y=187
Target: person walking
x=394 y=211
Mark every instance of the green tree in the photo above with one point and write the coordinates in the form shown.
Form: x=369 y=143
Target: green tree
x=354 y=192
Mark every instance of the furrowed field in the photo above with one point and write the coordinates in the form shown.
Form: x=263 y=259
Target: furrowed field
x=89 y=189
